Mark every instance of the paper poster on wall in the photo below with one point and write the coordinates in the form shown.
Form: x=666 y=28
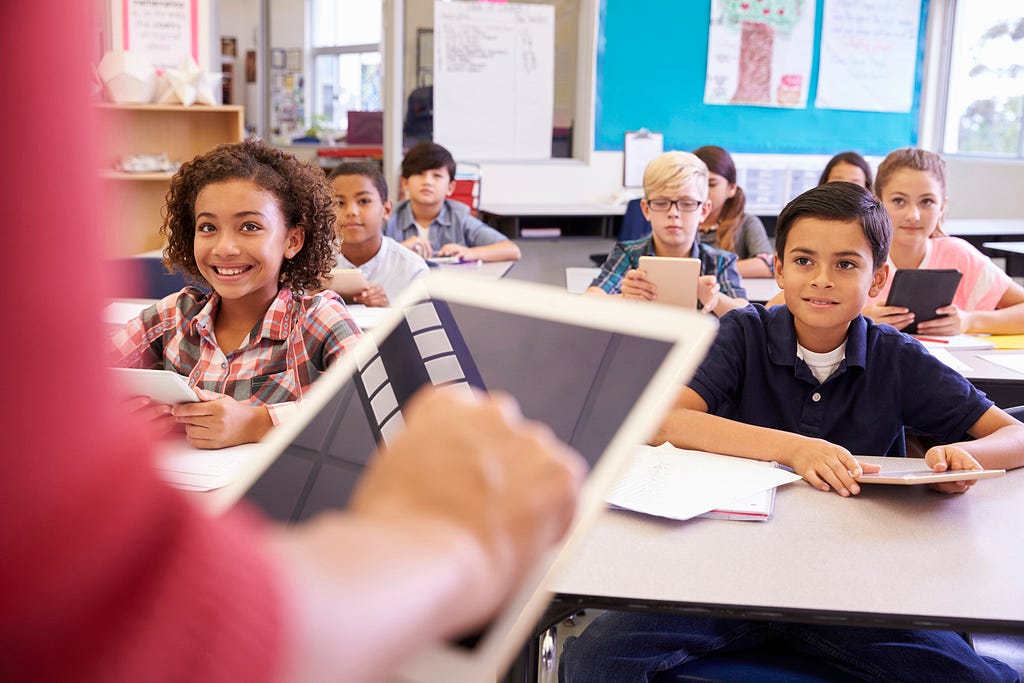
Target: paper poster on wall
x=494 y=79
x=638 y=149
x=760 y=52
x=167 y=32
x=868 y=55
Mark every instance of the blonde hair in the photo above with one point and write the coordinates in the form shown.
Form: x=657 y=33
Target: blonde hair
x=916 y=160
x=671 y=171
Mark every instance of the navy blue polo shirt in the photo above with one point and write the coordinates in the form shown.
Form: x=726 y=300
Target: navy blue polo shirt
x=886 y=382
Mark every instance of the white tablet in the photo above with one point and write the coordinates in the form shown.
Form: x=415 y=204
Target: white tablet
x=348 y=281
x=162 y=386
x=908 y=471
x=676 y=279
x=916 y=476
x=599 y=372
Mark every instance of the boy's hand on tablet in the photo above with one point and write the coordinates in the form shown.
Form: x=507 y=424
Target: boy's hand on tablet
x=421 y=247
x=948 y=458
x=453 y=249
x=827 y=466
x=897 y=316
x=373 y=296
x=707 y=291
x=219 y=421
x=636 y=286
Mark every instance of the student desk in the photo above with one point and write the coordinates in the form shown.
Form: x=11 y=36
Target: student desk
x=977 y=231
x=1002 y=385
x=760 y=290
x=900 y=556
x=578 y=219
x=491 y=270
x=1014 y=253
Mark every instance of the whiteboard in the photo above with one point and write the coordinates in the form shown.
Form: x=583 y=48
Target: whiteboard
x=494 y=71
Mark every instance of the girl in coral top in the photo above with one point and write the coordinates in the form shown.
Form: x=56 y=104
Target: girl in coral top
x=911 y=184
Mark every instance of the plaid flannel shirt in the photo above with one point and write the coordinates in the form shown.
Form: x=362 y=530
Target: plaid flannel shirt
x=283 y=354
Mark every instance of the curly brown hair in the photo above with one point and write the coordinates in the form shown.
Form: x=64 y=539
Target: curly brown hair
x=302 y=193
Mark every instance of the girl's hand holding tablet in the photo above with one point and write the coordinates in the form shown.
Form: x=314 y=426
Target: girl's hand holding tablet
x=219 y=421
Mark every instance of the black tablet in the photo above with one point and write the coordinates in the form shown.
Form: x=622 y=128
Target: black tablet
x=923 y=291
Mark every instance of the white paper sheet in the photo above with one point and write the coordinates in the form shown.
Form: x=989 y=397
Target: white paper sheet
x=868 y=55
x=1013 y=362
x=179 y=464
x=958 y=342
x=681 y=484
x=949 y=359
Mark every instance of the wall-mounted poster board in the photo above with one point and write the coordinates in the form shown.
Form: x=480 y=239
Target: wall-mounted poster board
x=651 y=71
x=494 y=79
x=166 y=31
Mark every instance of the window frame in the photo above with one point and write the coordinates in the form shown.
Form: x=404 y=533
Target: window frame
x=937 y=115
x=314 y=89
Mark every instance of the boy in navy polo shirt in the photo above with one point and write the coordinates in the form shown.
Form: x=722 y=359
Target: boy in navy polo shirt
x=806 y=385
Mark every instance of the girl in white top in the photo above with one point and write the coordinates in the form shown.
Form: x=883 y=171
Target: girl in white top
x=911 y=184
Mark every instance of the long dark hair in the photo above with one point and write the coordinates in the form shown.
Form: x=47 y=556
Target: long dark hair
x=718 y=161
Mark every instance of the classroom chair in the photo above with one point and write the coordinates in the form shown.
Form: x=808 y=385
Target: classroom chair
x=143 y=277
x=634 y=224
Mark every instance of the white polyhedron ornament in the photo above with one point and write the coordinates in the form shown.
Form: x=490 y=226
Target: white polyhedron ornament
x=190 y=84
x=129 y=77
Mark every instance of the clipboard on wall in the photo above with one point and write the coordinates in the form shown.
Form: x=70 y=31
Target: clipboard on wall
x=638 y=149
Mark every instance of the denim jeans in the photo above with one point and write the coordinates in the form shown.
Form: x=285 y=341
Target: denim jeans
x=623 y=647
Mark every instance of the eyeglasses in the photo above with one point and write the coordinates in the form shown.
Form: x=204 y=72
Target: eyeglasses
x=684 y=205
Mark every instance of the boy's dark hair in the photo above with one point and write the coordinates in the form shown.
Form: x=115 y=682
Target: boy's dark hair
x=303 y=197
x=426 y=156
x=842 y=202
x=367 y=170
x=851 y=158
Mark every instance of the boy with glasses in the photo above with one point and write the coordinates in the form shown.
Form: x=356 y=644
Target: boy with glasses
x=675 y=202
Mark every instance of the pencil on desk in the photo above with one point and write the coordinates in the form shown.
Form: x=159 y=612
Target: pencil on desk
x=931 y=339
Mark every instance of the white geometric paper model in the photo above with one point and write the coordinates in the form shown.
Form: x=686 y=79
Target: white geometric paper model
x=129 y=77
x=190 y=85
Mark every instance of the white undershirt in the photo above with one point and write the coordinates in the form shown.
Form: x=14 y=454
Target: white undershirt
x=822 y=365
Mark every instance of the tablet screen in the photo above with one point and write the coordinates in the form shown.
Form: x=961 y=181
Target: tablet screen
x=582 y=382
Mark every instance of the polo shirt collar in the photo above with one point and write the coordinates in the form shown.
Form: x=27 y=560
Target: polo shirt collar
x=782 y=339
x=275 y=325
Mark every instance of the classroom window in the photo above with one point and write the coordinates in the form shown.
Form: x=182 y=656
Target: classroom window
x=346 y=71
x=985 y=97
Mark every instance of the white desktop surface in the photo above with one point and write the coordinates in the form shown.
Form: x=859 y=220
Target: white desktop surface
x=760 y=289
x=1010 y=247
x=967 y=227
x=492 y=270
x=982 y=369
x=894 y=554
x=534 y=209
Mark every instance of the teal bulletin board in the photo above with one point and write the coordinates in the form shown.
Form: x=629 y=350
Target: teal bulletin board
x=651 y=65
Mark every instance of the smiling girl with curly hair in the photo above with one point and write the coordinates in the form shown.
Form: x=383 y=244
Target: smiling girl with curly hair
x=256 y=226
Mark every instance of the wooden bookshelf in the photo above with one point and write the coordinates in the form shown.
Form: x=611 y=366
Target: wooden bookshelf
x=134 y=200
